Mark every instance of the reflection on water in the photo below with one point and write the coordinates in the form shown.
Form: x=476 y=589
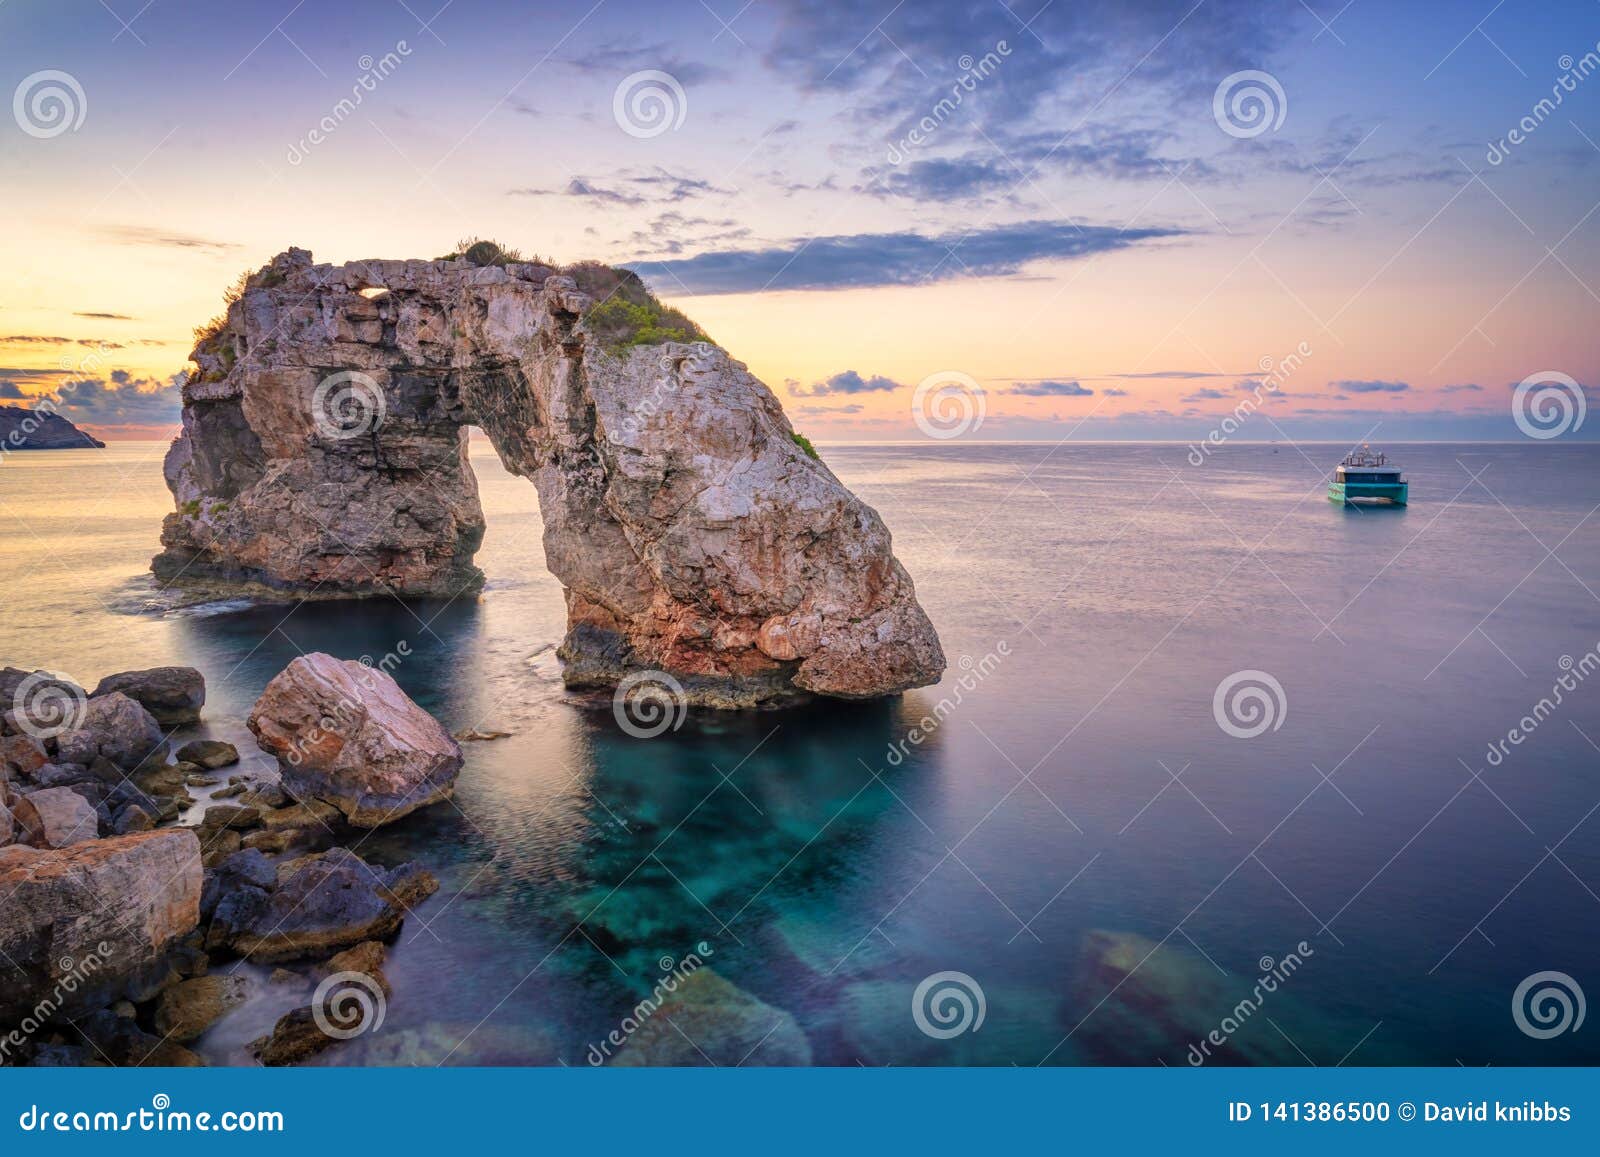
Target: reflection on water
x=1080 y=837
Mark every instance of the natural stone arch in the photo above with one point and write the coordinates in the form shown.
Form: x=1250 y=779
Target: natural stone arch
x=324 y=452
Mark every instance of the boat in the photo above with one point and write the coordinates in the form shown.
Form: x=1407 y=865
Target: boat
x=1367 y=476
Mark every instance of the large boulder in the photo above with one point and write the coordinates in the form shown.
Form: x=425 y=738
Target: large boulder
x=56 y=817
x=346 y=734
x=101 y=915
x=315 y=907
x=694 y=532
x=173 y=695
x=113 y=727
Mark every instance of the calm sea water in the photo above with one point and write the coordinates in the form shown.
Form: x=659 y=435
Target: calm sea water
x=1082 y=784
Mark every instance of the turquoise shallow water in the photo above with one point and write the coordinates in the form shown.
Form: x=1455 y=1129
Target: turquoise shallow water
x=1093 y=597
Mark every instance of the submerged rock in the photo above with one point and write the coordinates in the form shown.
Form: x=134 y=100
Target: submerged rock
x=709 y=1021
x=346 y=734
x=172 y=695
x=692 y=533
x=105 y=911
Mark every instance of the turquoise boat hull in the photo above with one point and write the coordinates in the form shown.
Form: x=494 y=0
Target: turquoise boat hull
x=1349 y=493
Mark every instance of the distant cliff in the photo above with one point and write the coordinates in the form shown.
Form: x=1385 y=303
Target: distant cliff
x=40 y=430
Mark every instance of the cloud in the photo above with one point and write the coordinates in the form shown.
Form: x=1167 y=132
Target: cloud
x=653 y=187
x=844 y=382
x=1114 y=392
x=145 y=235
x=1477 y=389
x=121 y=400
x=659 y=57
x=1203 y=395
x=1371 y=387
x=874 y=259
x=104 y=316
x=11 y=390
x=825 y=411
x=1050 y=390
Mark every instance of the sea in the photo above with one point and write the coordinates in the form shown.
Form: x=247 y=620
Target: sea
x=1220 y=773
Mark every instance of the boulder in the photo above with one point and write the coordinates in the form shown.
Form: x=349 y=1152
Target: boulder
x=121 y=1042
x=709 y=1021
x=346 y=734
x=317 y=906
x=190 y=1007
x=296 y=1036
x=172 y=695
x=102 y=911
x=208 y=753
x=113 y=727
x=8 y=826
x=22 y=753
x=56 y=817
x=365 y=958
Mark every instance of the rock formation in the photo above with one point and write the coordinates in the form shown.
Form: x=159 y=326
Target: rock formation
x=22 y=429
x=172 y=695
x=324 y=452
x=347 y=735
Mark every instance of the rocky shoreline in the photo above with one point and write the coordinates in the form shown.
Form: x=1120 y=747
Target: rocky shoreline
x=124 y=927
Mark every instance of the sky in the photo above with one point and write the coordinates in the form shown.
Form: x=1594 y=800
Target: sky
x=1092 y=219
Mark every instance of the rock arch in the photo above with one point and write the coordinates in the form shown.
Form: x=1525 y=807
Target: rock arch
x=324 y=452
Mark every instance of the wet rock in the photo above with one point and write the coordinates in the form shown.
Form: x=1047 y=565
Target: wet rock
x=217 y=844
x=244 y=869
x=294 y=1038
x=365 y=958
x=56 y=817
x=190 y=1007
x=113 y=727
x=228 y=815
x=172 y=695
x=120 y=902
x=132 y=818
x=347 y=735
x=270 y=841
x=310 y=814
x=320 y=905
x=124 y=1044
x=208 y=753
x=709 y=1021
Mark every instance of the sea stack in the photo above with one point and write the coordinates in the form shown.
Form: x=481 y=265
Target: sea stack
x=324 y=449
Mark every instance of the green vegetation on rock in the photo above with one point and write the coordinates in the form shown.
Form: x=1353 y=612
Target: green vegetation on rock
x=804 y=443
